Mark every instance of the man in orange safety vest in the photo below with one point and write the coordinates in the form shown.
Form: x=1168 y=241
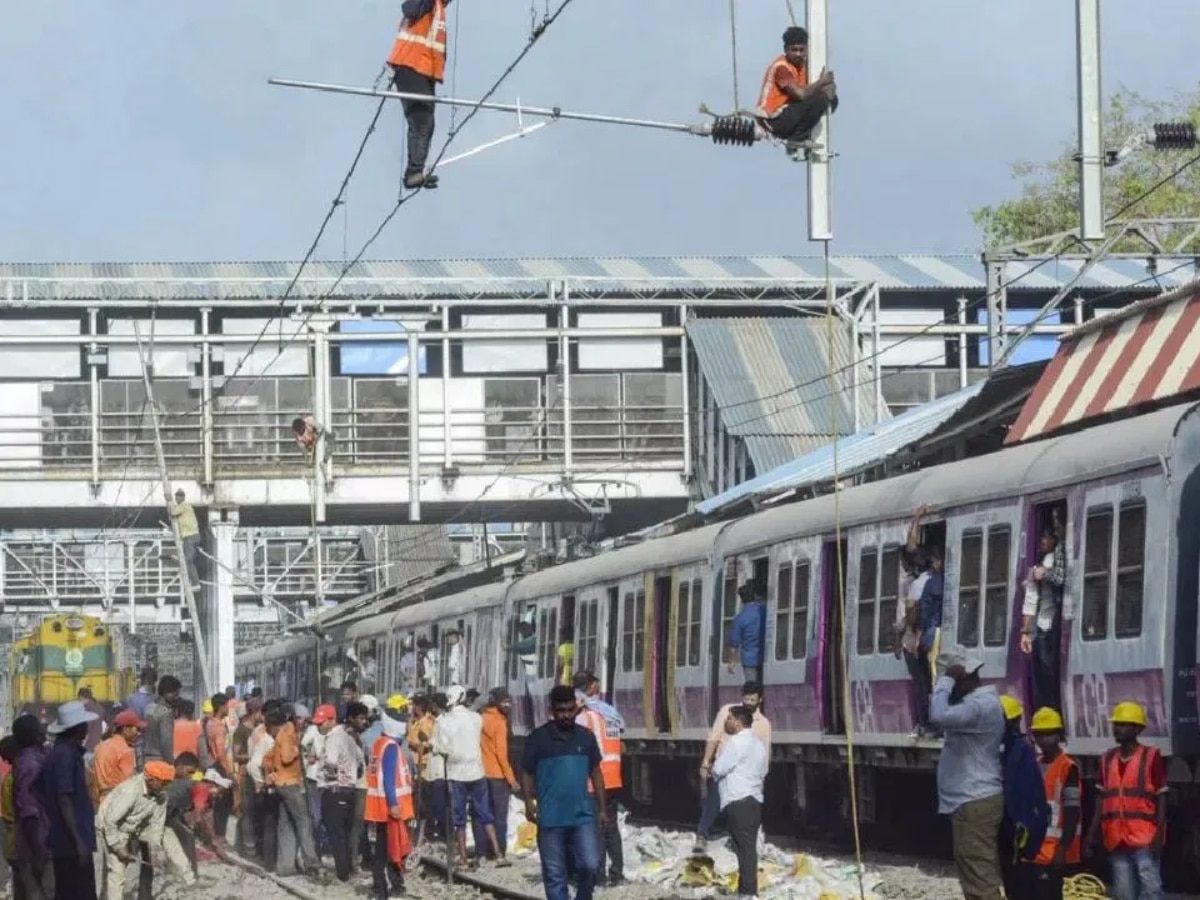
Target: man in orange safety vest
x=418 y=61
x=608 y=737
x=788 y=106
x=389 y=806
x=1060 y=854
x=1131 y=815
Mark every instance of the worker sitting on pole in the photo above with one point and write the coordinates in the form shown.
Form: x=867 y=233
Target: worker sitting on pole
x=418 y=62
x=306 y=431
x=788 y=106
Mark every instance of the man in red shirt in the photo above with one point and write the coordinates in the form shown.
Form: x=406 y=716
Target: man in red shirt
x=788 y=106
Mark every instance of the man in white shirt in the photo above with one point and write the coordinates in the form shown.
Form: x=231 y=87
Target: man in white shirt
x=739 y=771
x=456 y=738
x=710 y=807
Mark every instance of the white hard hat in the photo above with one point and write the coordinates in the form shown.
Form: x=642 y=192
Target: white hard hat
x=371 y=702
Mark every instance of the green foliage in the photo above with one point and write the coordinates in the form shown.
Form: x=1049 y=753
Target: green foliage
x=1048 y=202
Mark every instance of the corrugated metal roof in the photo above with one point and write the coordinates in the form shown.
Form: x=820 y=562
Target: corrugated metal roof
x=1143 y=356
x=855 y=453
x=770 y=380
x=473 y=277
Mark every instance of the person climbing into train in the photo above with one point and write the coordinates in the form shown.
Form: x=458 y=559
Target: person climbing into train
x=916 y=562
x=929 y=624
x=1060 y=852
x=970 y=781
x=418 y=61
x=1131 y=815
x=789 y=107
x=748 y=633
x=1041 y=618
x=1026 y=813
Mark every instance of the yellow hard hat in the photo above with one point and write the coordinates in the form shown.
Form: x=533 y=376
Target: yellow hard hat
x=1128 y=713
x=1012 y=707
x=206 y=707
x=397 y=702
x=197 y=776
x=1046 y=719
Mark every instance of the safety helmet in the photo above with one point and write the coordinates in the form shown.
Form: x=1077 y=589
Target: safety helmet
x=206 y=707
x=1012 y=707
x=1046 y=719
x=1128 y=713
x=371 y=702
x=397 y=702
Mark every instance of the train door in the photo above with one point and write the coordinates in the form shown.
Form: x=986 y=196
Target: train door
x=833 y=635
x=790 y=637
x=1046 y=521
x=612 y=605
x=660 y=624
x=631 y=684
x=737 y=571
x=688 y=664
x=590 y=648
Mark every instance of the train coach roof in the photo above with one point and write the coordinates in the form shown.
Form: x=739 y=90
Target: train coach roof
x=423 y=613
x=1024 y=469
x=613 y=565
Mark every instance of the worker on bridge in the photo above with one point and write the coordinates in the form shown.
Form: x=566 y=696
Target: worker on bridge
x=788 y=106
x=418 y=61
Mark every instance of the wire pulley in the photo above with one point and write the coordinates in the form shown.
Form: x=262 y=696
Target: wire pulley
x=738 y=130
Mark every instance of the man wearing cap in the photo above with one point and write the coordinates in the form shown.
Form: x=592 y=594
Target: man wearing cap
x=312 y=747
x=456 y=738
x=114 y=760
x=63 y=784
x=970 y=784
x=1060 y=851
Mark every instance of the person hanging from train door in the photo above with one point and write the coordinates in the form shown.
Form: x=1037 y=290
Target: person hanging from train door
x=418 y=61
x=788 y=106
x=747 y=634
x=916 y=562
x=1041 y=618
x=1131 y=815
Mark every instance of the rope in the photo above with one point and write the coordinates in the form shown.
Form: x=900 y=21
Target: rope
x=734 y=47
x=1084 y=887
x=791 y=12
x=847 y=705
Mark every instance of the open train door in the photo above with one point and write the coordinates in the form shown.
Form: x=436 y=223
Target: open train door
x=833 y=636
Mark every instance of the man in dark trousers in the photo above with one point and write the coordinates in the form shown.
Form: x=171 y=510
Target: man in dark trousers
x=739 y=771
x=418 y=61
x=788 y=105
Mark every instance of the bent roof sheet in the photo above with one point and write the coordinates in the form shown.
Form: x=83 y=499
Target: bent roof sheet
x=449 y=277
x=854 y=453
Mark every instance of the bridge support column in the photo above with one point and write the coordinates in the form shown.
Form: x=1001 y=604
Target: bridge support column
x=220 y=612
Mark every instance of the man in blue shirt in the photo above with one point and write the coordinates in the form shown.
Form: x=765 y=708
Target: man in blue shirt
x=748 y=632
x=69 y=806
x=559 y=760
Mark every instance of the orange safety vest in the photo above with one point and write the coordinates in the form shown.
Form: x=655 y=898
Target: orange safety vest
x=421 y=45
x=1056 y=778
x=376 y=809
x=771 y=100
x=1128 y=808
x=610 y=748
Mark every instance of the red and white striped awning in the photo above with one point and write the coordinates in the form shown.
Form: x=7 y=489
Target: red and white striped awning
x=1144 y=354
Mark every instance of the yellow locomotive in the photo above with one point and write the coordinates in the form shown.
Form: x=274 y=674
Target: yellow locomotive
x=65 y=653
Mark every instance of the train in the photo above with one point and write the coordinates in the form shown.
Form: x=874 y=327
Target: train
x=63 y=654
x=651 y=620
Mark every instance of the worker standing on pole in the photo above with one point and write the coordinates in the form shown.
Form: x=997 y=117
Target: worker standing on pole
x=418 y=61
x=189 y=532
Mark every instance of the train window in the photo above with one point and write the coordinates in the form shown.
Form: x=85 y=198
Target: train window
x=633 y=629
x=996 y=592
x=1131 y=559
x=696 y=619
x=729 y=602
x=800 y=587
x=547 y=638
x=687 y=627
x=970 y=578
x=783 y=610
x=791 y=611
x=889 y=596
x=587 y=635
x=1097 y=558
x=868 y=571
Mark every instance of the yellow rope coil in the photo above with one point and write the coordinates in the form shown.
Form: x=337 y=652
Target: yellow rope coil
x=1084 y=887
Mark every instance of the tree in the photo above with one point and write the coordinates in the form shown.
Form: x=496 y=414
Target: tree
x=1049 y=199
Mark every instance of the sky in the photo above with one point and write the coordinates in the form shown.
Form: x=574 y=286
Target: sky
x=152 y=134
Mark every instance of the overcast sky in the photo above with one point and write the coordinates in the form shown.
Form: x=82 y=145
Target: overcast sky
x=146 y=129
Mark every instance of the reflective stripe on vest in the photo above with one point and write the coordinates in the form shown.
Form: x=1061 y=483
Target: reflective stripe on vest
x=376 y=809
x=1056 y=779
x=1128 y=808
x=610 y=749
x=771 y=100
x=421 y=45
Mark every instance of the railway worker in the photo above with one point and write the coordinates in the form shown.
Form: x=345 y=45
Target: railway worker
x=312 y=746
x=788 y=105
x=389 y=811
x=179 y=805
x=1026 y=813
x=418 y=61
x=1131 y=816
x=1041 y=618
x=342 y=762
x=159 y=740
x=565 y=656
x=969 y=778
x=560 y=759
x=497 y=764
x=1060 y=851
x=189 y=533
x=457 y=738
x=739 y=772
x=306 y=432
x=285 y=773
x=133 y=814
x=611 y=854
x=752 y=697
x=748 y=632
x=590 y=685
x=114 y=761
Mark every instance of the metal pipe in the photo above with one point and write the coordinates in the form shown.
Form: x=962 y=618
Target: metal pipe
x=321 y=415
x=1091 y=120
x=993 y=273
x=542 y=112
x=876 y=363
x=206 y=397
x=686 y=397
x=447 y=454
x=414 y=430
x=962 y=343
x=855 y=354
x=508 y=334
x=94 y=379
x=820 y=207
x=564 y=366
